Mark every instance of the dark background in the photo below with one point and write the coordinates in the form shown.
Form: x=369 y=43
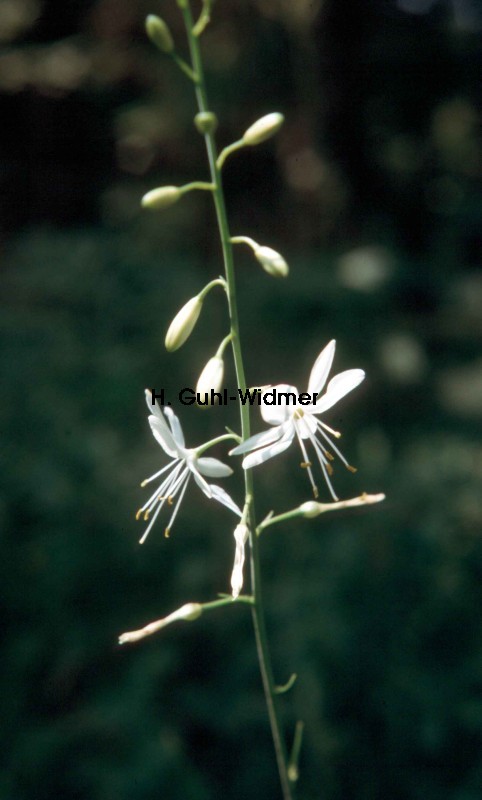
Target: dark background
x=372 y=192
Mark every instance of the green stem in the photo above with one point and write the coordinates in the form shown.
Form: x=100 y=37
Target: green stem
x=257 y=608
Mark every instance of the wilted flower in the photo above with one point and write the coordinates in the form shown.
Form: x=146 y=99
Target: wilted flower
x=185 y=463
x=241 y=533
x=302 y=420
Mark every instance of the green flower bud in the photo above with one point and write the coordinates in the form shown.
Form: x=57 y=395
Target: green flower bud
x=183 y=323
x=159 y=34
x=211 y=378
x=263 y=128
x=271 y=261
x=160 y=198
x=206 y=122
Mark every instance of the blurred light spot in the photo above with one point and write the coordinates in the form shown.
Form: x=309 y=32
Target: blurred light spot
x=15 y=17
x=374 y=450
x=61 y=67
x=402 y=358
x=305 y=170
x=294 y=14
x=466 y=13
x=365 y=268
x=120 y=204
x=455 y=135
x=14 y=72
x=460 y=389
x=135 y=154
x=221 y=47
x=466 y=296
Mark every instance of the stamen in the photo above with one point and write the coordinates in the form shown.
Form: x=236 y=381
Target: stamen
x=329 y=469
x=315 y=493
x=351 y=469
x=170 y=500
x=299 y=413
x=334 y=433
x=167 y=533
x=146 y=515
x=306 y=464
x=329 y=455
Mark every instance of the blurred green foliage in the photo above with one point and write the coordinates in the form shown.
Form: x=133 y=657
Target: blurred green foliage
x=371 y=192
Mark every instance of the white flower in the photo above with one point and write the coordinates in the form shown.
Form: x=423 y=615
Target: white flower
x=185 y=463
x=302 y=420
x=241 y=533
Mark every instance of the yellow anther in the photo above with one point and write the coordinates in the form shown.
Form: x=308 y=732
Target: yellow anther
x=167 y=533
x=143 y=483
x=352 y=469
x=329 y=469
x=139 y=513
x=329 y=455
x=315 y=492
x=146 y=516
x=306 y=464
x=170 y=500
x=299 y=413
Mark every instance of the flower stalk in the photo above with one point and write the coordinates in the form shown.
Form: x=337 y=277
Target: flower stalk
x=227 y=250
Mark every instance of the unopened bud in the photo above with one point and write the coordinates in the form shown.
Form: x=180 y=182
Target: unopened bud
x=263 y=128
x=159 y=33
x=272 y=262
x=183 y=323
x=211 y=378
x=187 y=612
x=206 y=122
x=162 y=197
x=311 y=509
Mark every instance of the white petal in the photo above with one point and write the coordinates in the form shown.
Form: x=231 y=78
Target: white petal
x=213 y=468
x=175 y=427
x=337 y=388
x=260 y=456
x=258 y=440
x=307 y=425
x=223 y=497
x=163 y=435
x=204 y=485
x=279 y=412
x=321 y=368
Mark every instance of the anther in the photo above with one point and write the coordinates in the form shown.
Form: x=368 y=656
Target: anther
x=351 y=469
x=146 y=516
x=329 y=455
x=315 y=492
x=299 y=413
x=167 y=533
x=329 y=469
x=306 y=464
x=170 y=500
x=138 y=515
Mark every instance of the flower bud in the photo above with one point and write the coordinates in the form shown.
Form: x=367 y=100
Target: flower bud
x=263 y=128
x=310 y=509
x=160 y=198
x=187 y=612
x=206 y=122
x=183 y=323
x=211 y=378
x=272 y=262
x=159 y=33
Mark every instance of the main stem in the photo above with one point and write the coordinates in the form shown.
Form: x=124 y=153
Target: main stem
x=257 y=608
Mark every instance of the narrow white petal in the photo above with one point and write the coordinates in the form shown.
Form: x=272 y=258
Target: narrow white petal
x=223 y=497
x=337 y=388
x=277 y=413
x=175 y=427
x=163 y=435
x=258 y=440
x=204 y=485
x=213 y=468
x=321 y=368
x=260 y=456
